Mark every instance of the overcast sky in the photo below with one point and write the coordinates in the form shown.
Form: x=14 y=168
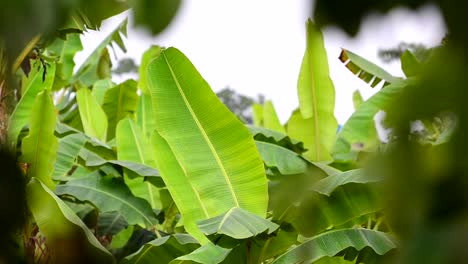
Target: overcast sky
x=256 y=46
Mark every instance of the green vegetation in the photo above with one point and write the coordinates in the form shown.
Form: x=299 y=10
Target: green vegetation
x=159 y=170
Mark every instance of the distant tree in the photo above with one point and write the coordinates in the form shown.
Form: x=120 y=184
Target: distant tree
x=239 y=104
x=126 y=65
x=394 y=53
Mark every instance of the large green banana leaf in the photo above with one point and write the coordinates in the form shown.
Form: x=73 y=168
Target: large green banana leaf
x=315 y=123
x=331 y=243
x=359 y=132
x=302 y=129
x=94 y=119
x=39 y=148
x=92 y=68
x=63 y=229
x=315 y=88
x=31 y=86
x=133 y=145
x=270 y=118
x=237 y=223
x=366 y=70
x=206 y=156
x=119 y=102
x=150 y=54
x=316 y=99
x=110 y=194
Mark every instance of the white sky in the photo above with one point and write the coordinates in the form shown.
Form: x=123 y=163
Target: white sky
x=256 y=46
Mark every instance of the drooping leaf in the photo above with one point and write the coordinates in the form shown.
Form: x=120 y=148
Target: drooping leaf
x=119 y=102
x=100 y=88
x=89 y=71
x=366 y=70
x=208 y=253
x=237 y=223
x=327 y=245
x=144 y=115
x=195 y=131
x=62 y=227
x=164 y=249
x=150 y=54
x=110 y=223
x=133 y=146
x=65 y=50
x=31 y=86
x=40 y=146
x=327 y=185
x=110 y=194
x=285 y=160
x=277 y=138
x=270 y=118
x=92 y=116
x=359 y=132
x=303 y=129
x=68 y=150
x=357 y=99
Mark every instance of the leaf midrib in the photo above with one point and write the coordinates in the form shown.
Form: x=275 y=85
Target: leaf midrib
x=314 y=107
x=202 y=131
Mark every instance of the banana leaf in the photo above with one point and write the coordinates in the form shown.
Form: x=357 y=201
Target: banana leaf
x=206 y=156
x=110 y=194
x=326 y=245
x=150 y=54
x=237 y=223
x=68 y=149
x=357 y=99
x=119 y=102
x=94 y=119
x=94 y=67
x=164 y=249
x=31 y=86
x=366 y=70
x=100 y=88
x=285 y=160
x=270 y=118
x=39 y=147
x=68 y=238
x=302 y=129
x=65 y=50
x=359 y=132
x=277 y=138
x=144 y=115
x=133 y=146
